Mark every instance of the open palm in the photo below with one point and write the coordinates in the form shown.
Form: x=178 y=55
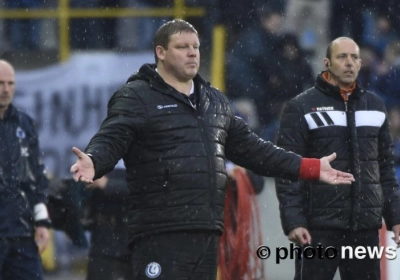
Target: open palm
x=333 y=176
x=83 y=169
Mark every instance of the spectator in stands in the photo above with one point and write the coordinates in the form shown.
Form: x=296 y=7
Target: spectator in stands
x=389 y=9
x=268 y=67
x=309 y=20
x=251 y=65
x=241 y=16
x=371 y=63
x=294 y=73
x=382 y=33
x=388 y=83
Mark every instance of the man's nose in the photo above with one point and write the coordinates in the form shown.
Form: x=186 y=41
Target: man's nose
x=6 y=88
x=192 y=51
x=349 y=61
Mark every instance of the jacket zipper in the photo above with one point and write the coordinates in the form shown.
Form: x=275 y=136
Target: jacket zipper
x=211 y=166
x=351 y=190
x=346 y=100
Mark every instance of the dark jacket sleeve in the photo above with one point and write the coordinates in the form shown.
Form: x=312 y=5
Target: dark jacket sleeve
x=257 y=181
x=390 y=188
x=292 y=137
x=32 y=172
x=125 y=118
x=37 y=165
x=246 y=149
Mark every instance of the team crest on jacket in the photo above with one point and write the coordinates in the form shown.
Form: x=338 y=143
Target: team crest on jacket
x=316 y=109
x=153 y=270
x=20 y=133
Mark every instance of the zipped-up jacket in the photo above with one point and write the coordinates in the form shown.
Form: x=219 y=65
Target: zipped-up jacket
x=23 y=184
x=319 y=122
x=175 y=153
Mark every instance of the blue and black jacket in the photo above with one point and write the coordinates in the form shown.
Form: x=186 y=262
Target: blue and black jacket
x=23 y=184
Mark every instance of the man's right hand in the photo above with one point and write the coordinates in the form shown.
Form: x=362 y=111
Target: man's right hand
x=300 y=236
x=83 y=169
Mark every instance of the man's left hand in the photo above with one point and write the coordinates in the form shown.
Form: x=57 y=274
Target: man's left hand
x=42 y=237
x=333 y=176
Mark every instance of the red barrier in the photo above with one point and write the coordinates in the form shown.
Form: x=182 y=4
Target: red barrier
x=383 y=242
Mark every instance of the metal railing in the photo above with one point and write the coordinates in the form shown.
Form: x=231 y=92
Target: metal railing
x=64 y=13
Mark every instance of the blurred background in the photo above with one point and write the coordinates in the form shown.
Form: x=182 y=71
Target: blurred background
x=71 y=55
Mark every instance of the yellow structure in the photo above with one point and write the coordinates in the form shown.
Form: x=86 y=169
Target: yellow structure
x=64 y=13
x=48 y=260
x=179 y=10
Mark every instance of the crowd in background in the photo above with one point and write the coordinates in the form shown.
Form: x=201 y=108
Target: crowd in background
x=274 y=48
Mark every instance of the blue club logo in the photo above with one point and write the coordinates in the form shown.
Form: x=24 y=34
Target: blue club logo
x=20 y=133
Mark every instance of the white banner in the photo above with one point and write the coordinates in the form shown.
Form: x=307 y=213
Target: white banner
x=69 y=101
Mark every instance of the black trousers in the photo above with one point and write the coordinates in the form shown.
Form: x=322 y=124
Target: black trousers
x=177 y=255
x=102 y=267
x=19 y=259
x=350 y=267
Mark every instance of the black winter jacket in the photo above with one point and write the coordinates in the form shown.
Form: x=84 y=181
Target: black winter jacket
x=317 y=123
x=22 y=181
x=175 y=154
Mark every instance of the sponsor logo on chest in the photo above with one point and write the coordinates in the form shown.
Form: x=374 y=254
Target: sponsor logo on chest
x=160 y=107
x=318 y=109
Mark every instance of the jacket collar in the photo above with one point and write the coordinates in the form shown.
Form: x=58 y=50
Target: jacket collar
x=11 y=113
x=148 y=73
x=334 y=91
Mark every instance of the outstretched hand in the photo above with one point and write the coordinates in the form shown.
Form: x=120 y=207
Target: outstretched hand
x=333 y=176
x=83 y=169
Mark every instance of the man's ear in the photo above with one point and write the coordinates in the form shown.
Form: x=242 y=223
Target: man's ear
x=160 y=52
x=327 y=63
